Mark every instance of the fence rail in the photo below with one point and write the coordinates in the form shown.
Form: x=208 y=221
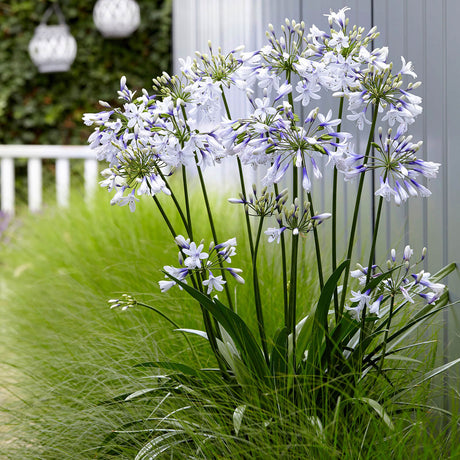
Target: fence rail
x=34 y=155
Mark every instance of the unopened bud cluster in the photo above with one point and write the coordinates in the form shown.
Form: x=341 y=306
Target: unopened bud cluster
x=282 y=52
x=264 y=205
x=219 y=67
x=299 y=219
x=124 y=302
x=171 y=86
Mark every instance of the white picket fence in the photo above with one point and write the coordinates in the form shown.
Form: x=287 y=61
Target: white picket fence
x=34 y=154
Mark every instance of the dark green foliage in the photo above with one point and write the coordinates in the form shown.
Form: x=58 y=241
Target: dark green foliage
x=47 y=108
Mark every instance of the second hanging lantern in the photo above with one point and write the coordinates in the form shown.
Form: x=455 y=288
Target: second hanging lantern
x=116 y=18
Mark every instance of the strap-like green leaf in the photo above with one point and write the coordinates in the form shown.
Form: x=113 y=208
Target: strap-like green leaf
x=379 y=409
x=238 y=418
x=407 y=327
x=427 y=376
x=172 y=366
x=278 y=357
x=346 y=328
x=303 y=337
x=320 y=324
x=444 y=272
x=237 y=329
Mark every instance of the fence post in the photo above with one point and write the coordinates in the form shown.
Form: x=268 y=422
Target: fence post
x=62 y=181
x=90 y=174
x=7 y=188
x=34 y=182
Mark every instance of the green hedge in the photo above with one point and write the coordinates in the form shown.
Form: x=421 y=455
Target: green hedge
x=47 y=108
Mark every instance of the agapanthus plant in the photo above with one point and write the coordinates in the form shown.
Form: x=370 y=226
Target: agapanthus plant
x=317 y=360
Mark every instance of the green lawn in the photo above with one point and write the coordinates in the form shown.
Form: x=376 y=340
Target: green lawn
x=64 y=352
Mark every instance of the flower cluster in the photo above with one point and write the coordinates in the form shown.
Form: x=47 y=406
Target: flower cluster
x=400 y=282
x=270 y=137
x=264 y=205
x=124 y=302
x=149 y=137
x=183 y=123
x=194 y=261
x=396 y=159
x=298 y=220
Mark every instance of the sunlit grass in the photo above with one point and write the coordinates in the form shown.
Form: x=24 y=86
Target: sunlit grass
x=64 y=352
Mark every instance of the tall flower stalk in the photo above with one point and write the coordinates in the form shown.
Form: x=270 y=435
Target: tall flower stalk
x=186 y=125
x=354 y=222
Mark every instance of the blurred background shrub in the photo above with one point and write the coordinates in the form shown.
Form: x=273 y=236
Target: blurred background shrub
x=47 y=108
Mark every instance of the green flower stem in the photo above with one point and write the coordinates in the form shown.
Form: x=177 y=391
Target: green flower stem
x=224 y=99
x=284 y=265
x=214 y=233
x=294 y=254
x=257 y=298
x=246 y=213
x=165 y=217
x=178 y=206
x=387 y=331
x=290 y=98
x=242 y=184
x=374 y=239
x=253 y=251
x=334 y=219
x=187 y=202
x=291 y=320
x=317 y=245
x=364 y=330
x=185 y=184
x=351 y=240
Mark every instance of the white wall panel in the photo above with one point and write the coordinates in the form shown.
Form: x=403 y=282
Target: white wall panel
x=423 y=31
x=451 y=240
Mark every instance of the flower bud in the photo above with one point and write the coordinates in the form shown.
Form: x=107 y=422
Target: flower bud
x=408 y=252
x=393 y=255
x=105 y=104
x=423 y=253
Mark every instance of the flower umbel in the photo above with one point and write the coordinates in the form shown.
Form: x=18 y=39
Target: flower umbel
x=200 y=265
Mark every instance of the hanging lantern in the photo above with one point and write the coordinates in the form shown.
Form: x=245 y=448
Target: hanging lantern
x=116 y=18
x=52 y=48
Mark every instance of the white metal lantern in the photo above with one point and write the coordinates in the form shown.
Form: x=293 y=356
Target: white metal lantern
x=52 y=48
x=116 y=18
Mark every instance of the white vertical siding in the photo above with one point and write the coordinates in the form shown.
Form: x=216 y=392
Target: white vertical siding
x=423 y=31
x=451 y=239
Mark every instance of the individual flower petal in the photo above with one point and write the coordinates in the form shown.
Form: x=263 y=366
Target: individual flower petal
x=274 y=234
x=195 y=255
x=374 y=308
x=214 y=282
